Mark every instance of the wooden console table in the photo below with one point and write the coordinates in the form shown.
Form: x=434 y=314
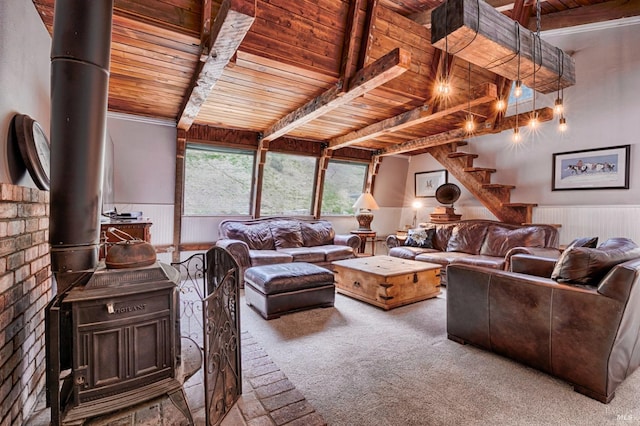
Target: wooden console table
x=135 y=228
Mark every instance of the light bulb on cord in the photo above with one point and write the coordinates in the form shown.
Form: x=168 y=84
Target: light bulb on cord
x=500 y=105
x=562 y=126
x=558 y=108
x=517 y=92
x=469 y=124
x=444 y=88
x=534 y=121
x=516 y=135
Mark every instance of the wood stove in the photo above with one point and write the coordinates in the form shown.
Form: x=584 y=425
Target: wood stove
x=113 y=342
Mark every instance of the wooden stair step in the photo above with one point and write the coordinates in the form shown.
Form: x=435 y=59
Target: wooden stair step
x=519 y=205
x=478 y=169
x=458 y=154
x=497 y=186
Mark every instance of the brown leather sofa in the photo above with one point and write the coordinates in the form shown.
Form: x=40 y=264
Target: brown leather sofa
x=273 y=240
x=474 y=242
x=582 y=325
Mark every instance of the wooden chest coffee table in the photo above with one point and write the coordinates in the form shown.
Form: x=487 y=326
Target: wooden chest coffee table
x=387 y=282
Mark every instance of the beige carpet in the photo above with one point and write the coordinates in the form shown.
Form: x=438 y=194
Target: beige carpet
x=359 y=365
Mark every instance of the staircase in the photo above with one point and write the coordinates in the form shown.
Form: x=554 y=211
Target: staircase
x=477 y=180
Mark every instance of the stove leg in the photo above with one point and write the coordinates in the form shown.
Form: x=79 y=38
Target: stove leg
x=179 y=399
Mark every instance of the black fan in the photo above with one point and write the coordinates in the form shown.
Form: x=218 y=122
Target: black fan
x=448 y=193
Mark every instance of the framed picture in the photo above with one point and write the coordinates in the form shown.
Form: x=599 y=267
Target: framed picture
x=602 y=168
x=428 y=182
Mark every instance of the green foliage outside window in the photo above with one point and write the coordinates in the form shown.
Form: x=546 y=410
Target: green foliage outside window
x=288 y=183
x=343 y=184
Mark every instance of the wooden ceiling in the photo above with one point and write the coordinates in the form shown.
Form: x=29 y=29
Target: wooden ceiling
x=342 y=73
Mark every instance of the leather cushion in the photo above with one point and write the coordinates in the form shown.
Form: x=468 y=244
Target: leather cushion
x=591 y=242
x=286 y=233
x=420 y=237
x=405 y=252
x=268 y=257
x=304 y=254
x=285 y=277
x=467 y=238
x=317 y=233
x=257 y=236
x=500 y=240
x=334 y=252
x=583 y=265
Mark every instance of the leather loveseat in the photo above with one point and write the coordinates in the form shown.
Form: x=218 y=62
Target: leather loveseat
x=581 y=323
x=475 y=242
x=273 y=240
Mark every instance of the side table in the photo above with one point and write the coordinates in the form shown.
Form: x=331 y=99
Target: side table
x=364 y=236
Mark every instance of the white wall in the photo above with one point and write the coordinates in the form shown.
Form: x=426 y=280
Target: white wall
x=25 y=69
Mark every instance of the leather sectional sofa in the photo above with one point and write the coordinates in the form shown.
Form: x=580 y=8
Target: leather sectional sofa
x=475 y=242
x=274 y=240
x=580 y=321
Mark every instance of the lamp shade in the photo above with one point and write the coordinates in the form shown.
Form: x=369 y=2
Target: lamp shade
x=366 y=201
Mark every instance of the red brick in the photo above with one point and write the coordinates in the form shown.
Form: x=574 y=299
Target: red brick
x=22 y=273
x=23 y=241
x=31 y=210
x=3 y=265
x=6 y=281
x=32 y=224
x=5 y=352
x=292 y=412
x=3 y=229
x=8 y=210
x=15 y=260
x=14 y=328
x=5 y=317
x=16 y=227
x=7 y=245
x=274 y=388
x=31 y=254
x=38 y=238
x=44 y=223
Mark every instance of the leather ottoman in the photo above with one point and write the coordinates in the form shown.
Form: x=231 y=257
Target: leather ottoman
x=274 y=290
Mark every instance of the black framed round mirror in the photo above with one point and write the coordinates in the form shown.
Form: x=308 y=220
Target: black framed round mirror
x=34 y=149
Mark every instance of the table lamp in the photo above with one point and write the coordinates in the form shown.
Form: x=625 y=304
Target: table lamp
x=364 y=204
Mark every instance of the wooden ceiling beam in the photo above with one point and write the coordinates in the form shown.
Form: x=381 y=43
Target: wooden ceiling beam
x=424 y=16
x=385 y=69
x=349 y=61
x=607 y=11
x=544 y=114
x=231 y=25
x=483 y=94
x=478 y=33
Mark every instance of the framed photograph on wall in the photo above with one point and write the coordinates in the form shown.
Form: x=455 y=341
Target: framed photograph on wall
x=601 y=168
x=428 y=182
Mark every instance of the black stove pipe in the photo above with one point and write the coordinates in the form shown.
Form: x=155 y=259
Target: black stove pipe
x=80 y=54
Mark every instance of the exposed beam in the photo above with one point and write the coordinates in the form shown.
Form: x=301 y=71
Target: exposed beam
x=231 y=25
x=424 y=16
x=544 y=114
x=321 y=171
x=485 y=93
x=181 y=146
x=349 y=61
x=607 y=11
x=368 y=78
x=205 y=31
x=478 y=33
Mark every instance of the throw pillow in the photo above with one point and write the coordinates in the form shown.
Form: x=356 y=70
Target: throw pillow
x=420 y=237
x=584 y=265
x=467 y=238
x=591 y=242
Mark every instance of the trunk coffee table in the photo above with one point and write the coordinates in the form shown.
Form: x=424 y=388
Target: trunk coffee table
x=387 y=282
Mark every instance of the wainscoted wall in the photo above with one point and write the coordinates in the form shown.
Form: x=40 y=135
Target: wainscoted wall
x=25 y=290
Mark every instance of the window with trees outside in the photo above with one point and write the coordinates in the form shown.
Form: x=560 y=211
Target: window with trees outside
x=217 y=181
x=288 y=182
x=343 y=184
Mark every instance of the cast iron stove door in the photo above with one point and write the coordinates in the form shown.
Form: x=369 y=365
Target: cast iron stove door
x=223 y=380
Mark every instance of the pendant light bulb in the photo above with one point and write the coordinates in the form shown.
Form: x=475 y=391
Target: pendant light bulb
x=469 y=124
x=500 y=105
x=562 y=126
x=533 y=123
x=516 y=135
x=444 y=88
x=517 y=92
x=558 y=108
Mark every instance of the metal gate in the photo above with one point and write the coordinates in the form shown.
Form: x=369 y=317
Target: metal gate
x=210 y=314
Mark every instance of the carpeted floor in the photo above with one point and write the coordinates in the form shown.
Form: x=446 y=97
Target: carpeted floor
x=359 y=365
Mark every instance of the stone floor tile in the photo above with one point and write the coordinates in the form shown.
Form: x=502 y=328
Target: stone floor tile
x=274 y=388
x=250 y=406
x=261 y=421
x=278 y=401
x=233 y=418
x=266 y=379
x=261 y=370
x=292 y=412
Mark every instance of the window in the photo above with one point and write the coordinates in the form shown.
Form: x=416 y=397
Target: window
x=288 y=183
x=217 y=181
x=343 y=184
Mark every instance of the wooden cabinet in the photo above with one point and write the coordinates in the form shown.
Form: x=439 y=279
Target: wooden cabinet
x=136 y=228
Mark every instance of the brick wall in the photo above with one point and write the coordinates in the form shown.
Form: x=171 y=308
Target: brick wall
x=25 y=290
